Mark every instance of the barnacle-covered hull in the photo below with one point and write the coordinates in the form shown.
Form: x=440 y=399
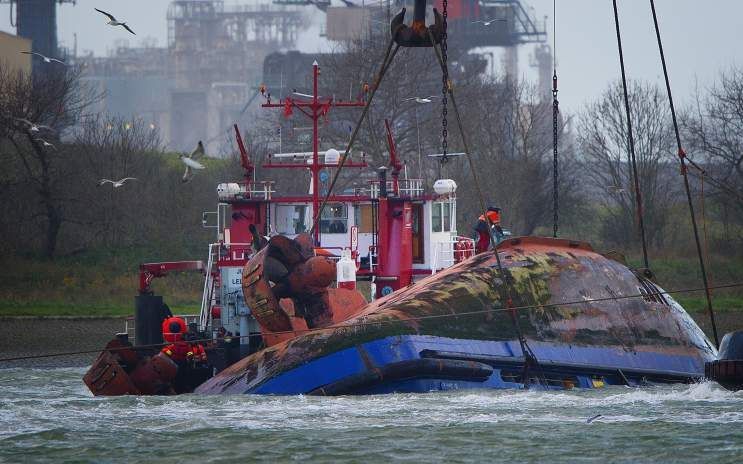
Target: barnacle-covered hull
x=588 y=320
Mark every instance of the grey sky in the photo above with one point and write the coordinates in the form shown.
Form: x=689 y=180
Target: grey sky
x=700 y=38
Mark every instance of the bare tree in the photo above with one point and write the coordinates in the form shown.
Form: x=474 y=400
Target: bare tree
x=604 y=143
x=715 y=132
x=114 y=148
x=511 y=135
x=35 y=111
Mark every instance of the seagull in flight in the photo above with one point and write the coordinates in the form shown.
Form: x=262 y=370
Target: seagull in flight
x=300 y=94
x=46 y=144
x=45 y=58
x=191 y=163
x=113 y=22
x=115 y=183
x=421 y=99
x=488 y=22
x=33 y=127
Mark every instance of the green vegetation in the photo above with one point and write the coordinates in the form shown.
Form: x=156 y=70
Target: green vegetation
x=720 y=304
x=105 y=282
x=101 y=283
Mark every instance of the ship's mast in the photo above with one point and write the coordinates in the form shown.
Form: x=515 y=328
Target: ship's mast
x=314 y=109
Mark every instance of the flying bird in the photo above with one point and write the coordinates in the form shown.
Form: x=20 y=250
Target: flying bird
x=191 y=163
x=488 y=22
x=421 y=99
x=300 y=94
x=45 y=58
x=593 y=418
x=33 y=127
x=115 y=183
x=113 y=22
x=46 y=144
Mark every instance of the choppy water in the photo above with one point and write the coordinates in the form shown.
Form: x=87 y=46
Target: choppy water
x=48 y=415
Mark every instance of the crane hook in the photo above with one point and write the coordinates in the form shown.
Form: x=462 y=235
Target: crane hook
x=416 y=35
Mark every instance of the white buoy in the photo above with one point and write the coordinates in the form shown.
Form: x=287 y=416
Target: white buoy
x=346 y=271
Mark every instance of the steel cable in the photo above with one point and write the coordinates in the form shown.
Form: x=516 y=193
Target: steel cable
x=631 y=143
x=682 y=160
x=386 y=62
x=528 y=353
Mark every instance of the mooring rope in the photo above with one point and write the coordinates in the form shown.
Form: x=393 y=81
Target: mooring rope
x=389 y=321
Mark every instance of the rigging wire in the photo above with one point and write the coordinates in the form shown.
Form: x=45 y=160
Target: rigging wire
x=555 y=114
x=631 y=142
x=529 y=356
x=386 y=62
x=716 y=182
x=387 y=321
x=682 y=161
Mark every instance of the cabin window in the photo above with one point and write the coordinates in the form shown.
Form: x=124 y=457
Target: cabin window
x=447 y=216
x=291 y=219
x=441 y=217
x=334 y=219
x=364 y=218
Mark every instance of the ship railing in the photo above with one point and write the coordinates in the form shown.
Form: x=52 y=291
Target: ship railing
x=261 y=189
x=449 y=252
x=217 y=252
x=207 y=296
x=256 y=190
x=372 y=257
x=407 y=187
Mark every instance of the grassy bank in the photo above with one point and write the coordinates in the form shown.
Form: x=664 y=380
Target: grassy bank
x=104 y=283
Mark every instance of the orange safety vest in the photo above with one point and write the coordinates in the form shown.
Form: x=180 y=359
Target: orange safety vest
x=494 y=217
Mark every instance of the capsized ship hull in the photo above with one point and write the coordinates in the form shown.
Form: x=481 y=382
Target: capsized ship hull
x=452 y=330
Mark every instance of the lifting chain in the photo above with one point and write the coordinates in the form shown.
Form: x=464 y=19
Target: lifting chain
x=444 y=89
x=555 y=134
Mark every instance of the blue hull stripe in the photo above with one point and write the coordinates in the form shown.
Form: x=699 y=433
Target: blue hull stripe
x=334 y=367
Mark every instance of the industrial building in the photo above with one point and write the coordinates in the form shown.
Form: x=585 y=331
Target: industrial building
x=11 y=57
x=218 y=54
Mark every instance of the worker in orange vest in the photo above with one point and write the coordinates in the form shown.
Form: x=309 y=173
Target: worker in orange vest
x=179 y=349
x=483 y=234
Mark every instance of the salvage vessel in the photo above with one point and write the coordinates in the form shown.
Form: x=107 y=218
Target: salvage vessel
x=280 y=312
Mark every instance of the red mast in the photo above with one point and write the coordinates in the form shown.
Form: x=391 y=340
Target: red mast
x=314 y=109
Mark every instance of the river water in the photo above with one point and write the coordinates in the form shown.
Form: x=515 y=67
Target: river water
x=48 y=415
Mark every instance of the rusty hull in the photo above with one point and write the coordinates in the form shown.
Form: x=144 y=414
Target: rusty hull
x=454 y=304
